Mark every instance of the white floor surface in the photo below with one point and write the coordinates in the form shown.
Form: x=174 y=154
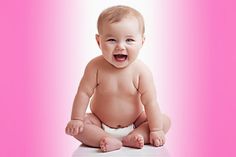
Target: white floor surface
x=146 y=151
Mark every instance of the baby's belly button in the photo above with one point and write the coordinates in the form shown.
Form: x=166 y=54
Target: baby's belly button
x=119 y=126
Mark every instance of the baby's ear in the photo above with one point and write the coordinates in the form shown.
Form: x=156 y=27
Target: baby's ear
x=143 y=40
x=97 y=39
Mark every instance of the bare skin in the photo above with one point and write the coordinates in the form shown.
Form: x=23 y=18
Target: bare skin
x=122 y=93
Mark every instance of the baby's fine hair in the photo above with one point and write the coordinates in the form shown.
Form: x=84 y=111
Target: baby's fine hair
x=116 y=14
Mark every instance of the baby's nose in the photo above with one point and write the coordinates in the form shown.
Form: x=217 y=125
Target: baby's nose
x=120 y=46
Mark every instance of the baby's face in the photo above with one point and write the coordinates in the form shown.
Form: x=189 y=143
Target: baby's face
x=120 y=42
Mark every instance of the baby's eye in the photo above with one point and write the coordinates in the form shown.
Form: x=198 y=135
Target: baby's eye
x=111 y=40
x=130 y=40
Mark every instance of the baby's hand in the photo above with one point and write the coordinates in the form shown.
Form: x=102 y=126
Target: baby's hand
x=74 y=127
x=157 y=138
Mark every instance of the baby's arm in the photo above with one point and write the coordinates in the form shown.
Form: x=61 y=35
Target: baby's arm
x=148 y=98
x=86 y=89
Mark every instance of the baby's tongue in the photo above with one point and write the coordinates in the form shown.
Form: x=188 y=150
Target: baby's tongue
x=120 y=57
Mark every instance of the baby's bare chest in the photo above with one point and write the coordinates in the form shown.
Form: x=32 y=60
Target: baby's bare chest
x=117 y=83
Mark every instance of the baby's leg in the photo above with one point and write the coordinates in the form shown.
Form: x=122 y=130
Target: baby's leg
x=93 y=135
x=140 y=136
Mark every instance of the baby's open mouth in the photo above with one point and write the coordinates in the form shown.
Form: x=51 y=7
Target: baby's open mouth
x=120 y=57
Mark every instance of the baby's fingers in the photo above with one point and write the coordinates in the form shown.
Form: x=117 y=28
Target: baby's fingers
x=68 y=130
x=80 y=129
x=162 y=141
x=75 y=131
x=156 y=142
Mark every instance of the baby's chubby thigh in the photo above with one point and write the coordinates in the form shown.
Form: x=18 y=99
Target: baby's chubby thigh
x=90 y=118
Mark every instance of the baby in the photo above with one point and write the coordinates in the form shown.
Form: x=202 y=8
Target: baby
x=123 y=97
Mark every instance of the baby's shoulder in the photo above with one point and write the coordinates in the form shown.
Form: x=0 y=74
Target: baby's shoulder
x=141 y=67
x=95 y=61
x=92 y=65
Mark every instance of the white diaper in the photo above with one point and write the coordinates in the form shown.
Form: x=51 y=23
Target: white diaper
x=119 y=132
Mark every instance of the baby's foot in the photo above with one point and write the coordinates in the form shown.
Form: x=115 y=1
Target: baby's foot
x=109 y=144
x=135 y=141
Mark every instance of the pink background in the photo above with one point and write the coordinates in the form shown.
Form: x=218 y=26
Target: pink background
x=39 y=77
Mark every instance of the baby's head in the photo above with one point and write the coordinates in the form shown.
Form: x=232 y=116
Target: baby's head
x=120 y=34
x=116 y=14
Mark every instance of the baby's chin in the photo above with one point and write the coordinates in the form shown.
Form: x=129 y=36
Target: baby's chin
x=120 y=65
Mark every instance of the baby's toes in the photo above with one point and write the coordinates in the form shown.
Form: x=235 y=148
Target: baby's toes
x=103 y=145
x=109 y=144
x=140 y=141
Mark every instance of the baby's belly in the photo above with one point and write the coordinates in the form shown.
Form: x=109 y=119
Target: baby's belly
x=116 y=112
